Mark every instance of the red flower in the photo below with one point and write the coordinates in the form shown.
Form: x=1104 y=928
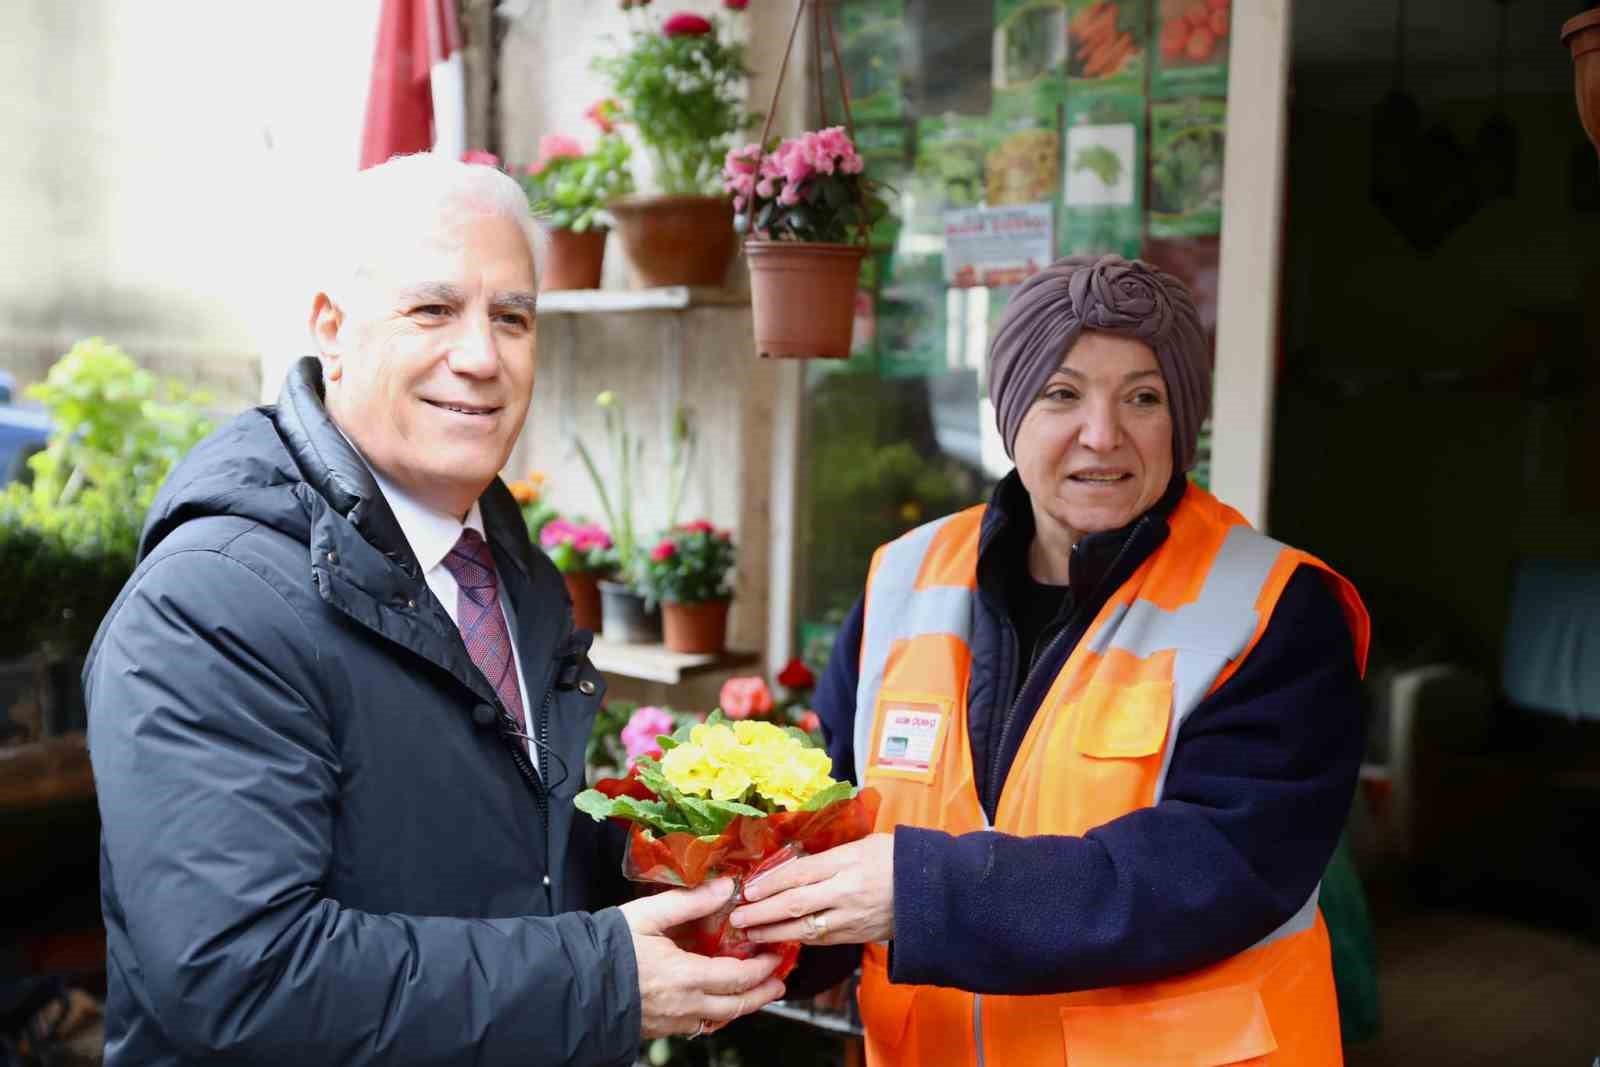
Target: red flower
x=603 y=113
x=743 y=697
x=735 y=5
x=663 y=551
x=811 y=723
x=796 y=675
x=685 y=24
x=697 y=526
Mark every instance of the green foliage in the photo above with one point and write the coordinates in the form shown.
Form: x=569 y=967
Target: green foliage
x=68 y=541
x=690 y=564
x=571 y=192
x=836 y=208
x=685 y=95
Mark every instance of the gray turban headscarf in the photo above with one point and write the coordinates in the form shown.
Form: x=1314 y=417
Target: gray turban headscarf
x=1129 y=298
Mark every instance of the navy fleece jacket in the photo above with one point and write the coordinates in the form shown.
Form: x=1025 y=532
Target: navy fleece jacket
x=1259 y=787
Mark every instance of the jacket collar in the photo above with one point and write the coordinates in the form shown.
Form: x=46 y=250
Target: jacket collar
x=1007 y=533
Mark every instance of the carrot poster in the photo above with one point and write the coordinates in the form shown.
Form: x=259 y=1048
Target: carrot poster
x=1191 y=38
x=1106 y=44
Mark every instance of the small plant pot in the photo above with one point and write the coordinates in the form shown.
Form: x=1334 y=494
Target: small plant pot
x=697 y=627
x=625 y=619
x=803 y=297
x=572 y=260
x=584 y=589
x=1581 y=35
x=677 y=240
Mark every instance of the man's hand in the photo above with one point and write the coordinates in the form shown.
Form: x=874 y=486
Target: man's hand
x=683 y=992
x=842 y=896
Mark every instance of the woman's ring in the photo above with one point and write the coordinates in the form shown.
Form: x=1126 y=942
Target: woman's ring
x=816 y=925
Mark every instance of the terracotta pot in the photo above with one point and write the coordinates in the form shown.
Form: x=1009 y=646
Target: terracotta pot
x=698 y=627
x=803 y=297
x=623 y=613
x=1581 y=35
x=677 y=240
x=572 y=260
x=584 y=590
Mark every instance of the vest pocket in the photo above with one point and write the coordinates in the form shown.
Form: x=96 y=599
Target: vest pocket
x=885 y=1006
x=1123 y=721
x=1209 y=1029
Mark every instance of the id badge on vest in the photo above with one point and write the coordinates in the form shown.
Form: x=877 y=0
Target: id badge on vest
x=908 y=738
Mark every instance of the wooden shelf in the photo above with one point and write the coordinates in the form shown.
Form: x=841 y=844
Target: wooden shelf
x=42 y=773
x=668 y=298
x=657 y=663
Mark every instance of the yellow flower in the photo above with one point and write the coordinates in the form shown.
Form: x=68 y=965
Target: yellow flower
x=730 y=783
x=760 y=734
x=687 y=768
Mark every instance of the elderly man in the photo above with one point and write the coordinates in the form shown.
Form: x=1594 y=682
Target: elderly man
x=338 y=715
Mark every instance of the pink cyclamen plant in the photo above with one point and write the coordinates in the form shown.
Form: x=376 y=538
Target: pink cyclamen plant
x=820 y=170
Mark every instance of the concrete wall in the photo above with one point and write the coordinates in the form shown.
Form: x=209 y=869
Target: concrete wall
x=150 y=162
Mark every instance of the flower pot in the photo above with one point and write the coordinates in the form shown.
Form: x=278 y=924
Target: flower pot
x=572 y=260
x=584 y=589
x=676 y=240
x=624 y=616
x=1581 y=35
x=803 y=297
x=697 y=627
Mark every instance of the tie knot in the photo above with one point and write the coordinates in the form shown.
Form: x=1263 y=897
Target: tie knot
x=471 y=562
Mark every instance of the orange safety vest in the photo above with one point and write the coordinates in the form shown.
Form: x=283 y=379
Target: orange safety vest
x=1098 y=749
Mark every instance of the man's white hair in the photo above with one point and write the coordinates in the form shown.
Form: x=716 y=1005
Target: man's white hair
x=381 y=203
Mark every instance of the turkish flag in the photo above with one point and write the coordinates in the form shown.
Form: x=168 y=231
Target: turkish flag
x=416 y=99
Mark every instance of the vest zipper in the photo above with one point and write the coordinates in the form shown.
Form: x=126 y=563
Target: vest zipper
x=992 y=782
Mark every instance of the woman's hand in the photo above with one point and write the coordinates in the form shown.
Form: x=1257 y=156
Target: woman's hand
x=842 y=896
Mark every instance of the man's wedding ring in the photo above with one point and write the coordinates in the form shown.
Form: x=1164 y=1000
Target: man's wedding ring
x=698 y=1030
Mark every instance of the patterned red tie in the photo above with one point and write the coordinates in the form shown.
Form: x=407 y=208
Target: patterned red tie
x=482 y=623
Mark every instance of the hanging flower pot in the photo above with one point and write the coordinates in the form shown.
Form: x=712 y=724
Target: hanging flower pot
x=572 y=260
x=802 y=297
x=1581 y=35
x=677 y=240
x=698 y=627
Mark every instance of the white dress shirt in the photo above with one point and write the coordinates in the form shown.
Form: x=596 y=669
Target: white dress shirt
x=431 y=535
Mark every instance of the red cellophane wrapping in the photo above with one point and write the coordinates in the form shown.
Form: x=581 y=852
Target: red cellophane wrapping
x=748 y=847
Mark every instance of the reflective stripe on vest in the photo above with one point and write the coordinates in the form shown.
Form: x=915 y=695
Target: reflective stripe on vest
x=1100 y=746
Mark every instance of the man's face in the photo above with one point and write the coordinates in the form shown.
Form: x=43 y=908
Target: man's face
x=429 y=362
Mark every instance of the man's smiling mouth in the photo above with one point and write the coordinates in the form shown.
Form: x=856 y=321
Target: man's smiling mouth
x=463 y=409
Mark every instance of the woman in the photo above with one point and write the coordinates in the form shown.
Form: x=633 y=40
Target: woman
x=1116 y=731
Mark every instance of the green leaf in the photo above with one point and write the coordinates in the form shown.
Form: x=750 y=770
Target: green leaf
x=835 y=792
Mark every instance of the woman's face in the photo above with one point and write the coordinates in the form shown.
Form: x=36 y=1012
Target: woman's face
x=1095 y=449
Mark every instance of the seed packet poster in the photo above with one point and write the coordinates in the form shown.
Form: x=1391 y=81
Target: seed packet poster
x=1187 y=142
x=948 y=173
x=872 y=41
x=1107 y=45
x=1030 y=45
x=1103 y=161
x=1191 y=39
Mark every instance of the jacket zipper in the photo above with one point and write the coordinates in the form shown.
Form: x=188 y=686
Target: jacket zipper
x=993 y=780
x=536 y=780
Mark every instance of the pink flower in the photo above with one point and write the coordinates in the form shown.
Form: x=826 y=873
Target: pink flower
x=741 y=160
x=685 y=24
x=764 y=188
x=603 y=113
x=479 y=156
x=663 y=551
x=535 y=169
x=558 y=146
x=644 y=726
x=697 y=526
x=589 y=538
x=743 y=697
x=790 y=195
x=556 y=532
x=735 y=5
x=811 y=723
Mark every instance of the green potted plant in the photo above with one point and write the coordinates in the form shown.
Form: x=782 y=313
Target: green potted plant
x=806 y=209
x=690 y=571
x=681 y=86
x=628 y=612
x=568 y=189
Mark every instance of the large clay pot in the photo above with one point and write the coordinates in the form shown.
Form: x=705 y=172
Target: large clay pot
x=584 y=590
x=803 y=297
x=698 y=627
x=677 y=240
x=572 y=260
x=1581 y=35
x=624 y=616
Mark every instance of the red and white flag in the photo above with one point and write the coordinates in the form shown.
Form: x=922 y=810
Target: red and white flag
x=417 y=98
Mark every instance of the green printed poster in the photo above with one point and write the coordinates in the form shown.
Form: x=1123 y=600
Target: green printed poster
x=1107 y=45
x=1191 y=39
x=1022 y=151
x=1030 y=44
x=1103 y=161
x=911 y=319
x=948 y=174
x=1187 y=139
x=872 y=45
